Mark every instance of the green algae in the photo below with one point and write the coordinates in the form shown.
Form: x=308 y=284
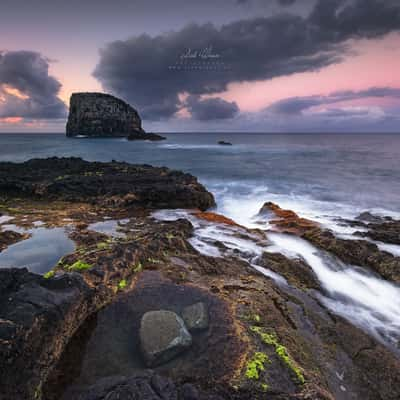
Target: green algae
x=138 y=267
x=122 y=284
x=103 y=246
x=79 y=266
x=49 y=274
x=256 y=365
x=281 y=351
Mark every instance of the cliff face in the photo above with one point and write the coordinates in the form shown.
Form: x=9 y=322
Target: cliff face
x=103 y=115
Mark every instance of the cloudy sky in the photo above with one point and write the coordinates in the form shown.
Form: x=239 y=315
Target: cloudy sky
x=210 y=65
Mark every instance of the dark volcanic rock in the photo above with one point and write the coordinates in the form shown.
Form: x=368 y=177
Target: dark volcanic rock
x=37 y=317
x=357 y=252
x=366 y=216
x=387 y=231
x=111 y=184
x=153 y=137
x=102 y=115
x=296 y=271
x=145 y=386
x=163 y=335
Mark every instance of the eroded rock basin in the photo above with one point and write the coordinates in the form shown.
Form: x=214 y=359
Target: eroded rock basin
x=108 y=344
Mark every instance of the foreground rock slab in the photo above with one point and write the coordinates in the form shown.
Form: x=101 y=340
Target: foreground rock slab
x=163 y=335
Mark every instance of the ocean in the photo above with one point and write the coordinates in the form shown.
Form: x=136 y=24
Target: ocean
x=320 y=176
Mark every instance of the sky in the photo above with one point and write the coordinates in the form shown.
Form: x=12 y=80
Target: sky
x=214 y=65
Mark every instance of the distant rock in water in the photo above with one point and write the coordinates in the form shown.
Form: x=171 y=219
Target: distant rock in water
x=223 y=143
x=101 y=115
x=153 y=137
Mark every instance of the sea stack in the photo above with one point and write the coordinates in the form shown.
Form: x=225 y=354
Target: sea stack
x=101 y=115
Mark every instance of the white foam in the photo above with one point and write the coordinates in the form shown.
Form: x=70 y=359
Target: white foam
x=362 y=298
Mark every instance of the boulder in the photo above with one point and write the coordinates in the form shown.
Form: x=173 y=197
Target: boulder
x=101 y=115
x=196 y=316
x=163 y=335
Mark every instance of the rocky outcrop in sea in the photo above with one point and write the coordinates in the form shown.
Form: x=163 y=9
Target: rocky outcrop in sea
x=101 y=115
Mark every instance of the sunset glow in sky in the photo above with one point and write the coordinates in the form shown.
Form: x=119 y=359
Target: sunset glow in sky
x=313 y=65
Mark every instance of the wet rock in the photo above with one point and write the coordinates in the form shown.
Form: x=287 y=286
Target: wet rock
x=153 y=137
x=296 y=272
x=10 y=237
x=196 y=317
x=387 y=232
x=101 y=115
x=288 y=221
x=357 y=252
x=109 y=184
x=366 y=216
x=163 y=335
x=214 y=217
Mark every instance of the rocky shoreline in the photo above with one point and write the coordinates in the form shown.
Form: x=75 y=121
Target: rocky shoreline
x=144 y=314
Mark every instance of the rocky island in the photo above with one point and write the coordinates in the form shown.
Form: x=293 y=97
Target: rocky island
x=141 y=313
x=103 y=115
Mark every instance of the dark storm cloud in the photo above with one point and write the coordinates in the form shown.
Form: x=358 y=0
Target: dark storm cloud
x=286 y=2
x=255 y=49
x=281 y=2
x=27 y=72
x=296 y=105
x=211 y=109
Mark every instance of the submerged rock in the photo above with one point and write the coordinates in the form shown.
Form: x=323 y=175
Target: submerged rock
x=163 y=335
x=101 y=115
x=196 y=316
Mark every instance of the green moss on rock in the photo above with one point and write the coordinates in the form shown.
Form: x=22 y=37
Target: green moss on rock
x=79 y=266
x=281 y=351
x=122 y=284
x=256 y=365
x=49 y=274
